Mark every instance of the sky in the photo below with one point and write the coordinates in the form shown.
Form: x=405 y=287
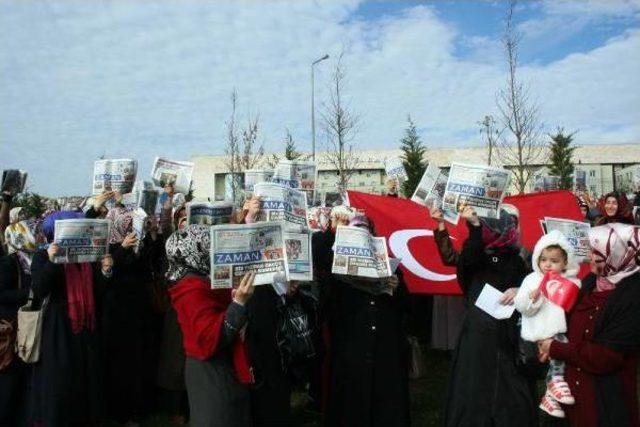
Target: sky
x=139 y=79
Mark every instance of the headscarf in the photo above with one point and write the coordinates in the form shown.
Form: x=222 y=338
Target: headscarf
x=622 y=214
x=360 y=221
x=188 y=251
x=500 y=235
x=121 y=224
x=16 y=215
x=22 y=238
x=78 y=279
x=49 y=223
x=616 y=249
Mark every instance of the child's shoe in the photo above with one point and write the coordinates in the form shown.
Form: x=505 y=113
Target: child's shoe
x=559 y=390
x=549 y=405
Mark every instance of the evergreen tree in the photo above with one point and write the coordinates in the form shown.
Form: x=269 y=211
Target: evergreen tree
x=290 y=152
x=561 y=153
x=412 y=158
x=32 y=203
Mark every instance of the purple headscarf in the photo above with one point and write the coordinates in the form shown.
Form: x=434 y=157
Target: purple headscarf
x=49 y=223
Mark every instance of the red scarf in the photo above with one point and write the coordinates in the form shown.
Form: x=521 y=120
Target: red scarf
x=81 y=305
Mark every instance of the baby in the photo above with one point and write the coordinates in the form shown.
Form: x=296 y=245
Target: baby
x=543 y=309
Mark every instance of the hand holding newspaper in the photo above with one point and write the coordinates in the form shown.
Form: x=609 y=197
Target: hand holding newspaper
x=237 y=249
x=178 y=173
x=114 y=175
x=357 y=253
x=430 y=189
x=13 y=181
x=489 y=302
x=81 y=240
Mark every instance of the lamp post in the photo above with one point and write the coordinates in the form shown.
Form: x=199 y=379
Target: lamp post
x=313 y=108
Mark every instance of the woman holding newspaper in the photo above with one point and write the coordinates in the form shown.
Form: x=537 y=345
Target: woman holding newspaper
x=217 y=366
x=67 y=379
x=485 y=388
x=368 y=349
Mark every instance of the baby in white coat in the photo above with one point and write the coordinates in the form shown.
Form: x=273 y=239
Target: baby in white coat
x=542 y=318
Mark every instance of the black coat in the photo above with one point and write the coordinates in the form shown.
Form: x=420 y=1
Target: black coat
x=130 y=336
x=485 y=389
x=368 y=349
x=67 y=383
x=13 y=378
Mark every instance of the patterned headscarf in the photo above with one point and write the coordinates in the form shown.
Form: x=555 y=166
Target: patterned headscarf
x=616 y=249
x=188 y=251
x=23 y=238
x=121 y=224
x=500 y=235
x=49 y=223
x=16 y=215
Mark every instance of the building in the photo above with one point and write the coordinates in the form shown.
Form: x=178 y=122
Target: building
x=628 y=179
x=602 y=165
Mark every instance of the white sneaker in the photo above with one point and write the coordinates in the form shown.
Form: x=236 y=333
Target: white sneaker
x=549 y=405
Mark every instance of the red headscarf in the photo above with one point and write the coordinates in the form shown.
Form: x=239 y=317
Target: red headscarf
x=622 y=215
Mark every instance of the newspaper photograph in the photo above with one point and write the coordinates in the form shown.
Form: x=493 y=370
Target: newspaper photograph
x=319 y=218
x=358 y=253
x=13 y=181
x=237 y=249
x=205 y=213
x=394 y=167
x=81 y=240
x=281 y=203
x=114 y=175
x=253 y=177
x=481 y=187
x=298 y=247
x=298 y=174
x=167 y=171
x=430 y=189
x=576 y=232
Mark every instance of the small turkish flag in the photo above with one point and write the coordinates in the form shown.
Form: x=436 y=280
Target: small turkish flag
x=560 y=291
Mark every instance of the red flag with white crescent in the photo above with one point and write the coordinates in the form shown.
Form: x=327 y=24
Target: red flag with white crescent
x=559 y=290
x=408 y=229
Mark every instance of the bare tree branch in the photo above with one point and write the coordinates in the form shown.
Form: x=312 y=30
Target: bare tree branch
x=340 y=126
x=521 y=145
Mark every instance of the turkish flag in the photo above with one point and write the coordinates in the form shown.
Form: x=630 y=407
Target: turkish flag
x=560 y=291
x=408 y=228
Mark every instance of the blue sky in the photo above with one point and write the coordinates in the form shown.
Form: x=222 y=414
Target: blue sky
x=81 y=79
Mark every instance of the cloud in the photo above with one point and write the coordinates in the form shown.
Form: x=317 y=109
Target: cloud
x=140 y=79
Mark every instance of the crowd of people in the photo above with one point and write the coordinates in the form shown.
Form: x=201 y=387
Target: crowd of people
x=142 y=327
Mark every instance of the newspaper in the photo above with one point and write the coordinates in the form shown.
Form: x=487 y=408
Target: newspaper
x=141 y=198
x=298 y=247
x=138 y=224
x=481 y=187
x=205 y=213
x=545 y=183
x=580 y=180
x=114 y=175
x=357 y=253
x=81 y=240
x=430 y=189
x=237 y=249
x=253 y=177
x=298 y=174
x=280 y=203
x=575 y=231
x=394 y=167
x=13 y=181
x=167 y=171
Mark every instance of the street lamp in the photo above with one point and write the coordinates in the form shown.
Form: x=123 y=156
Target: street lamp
x=313 y=109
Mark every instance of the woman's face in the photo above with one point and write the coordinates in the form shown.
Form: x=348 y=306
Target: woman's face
x=593 y=265
x=182 y=219
x=611 y=206
x=584 y=210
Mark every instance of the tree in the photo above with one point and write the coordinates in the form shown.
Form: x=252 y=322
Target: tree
x=412 y=158
x=340 y=125
x=242 y=149
x=32 y=203
x=520 y=146
x=561 y=154
x=489 y=130
x=290 y=152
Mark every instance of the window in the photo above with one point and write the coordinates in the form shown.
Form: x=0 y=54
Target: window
x=368 y=174
x=592 y=173
x=592 y=189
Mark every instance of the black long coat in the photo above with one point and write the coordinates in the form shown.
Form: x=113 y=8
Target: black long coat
x=14 y=291
x=485 y=388
x=368 y=349
x=67 y=383
x=130 y=336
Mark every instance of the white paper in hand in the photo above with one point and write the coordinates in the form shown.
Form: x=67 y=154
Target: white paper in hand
x=489 y=302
